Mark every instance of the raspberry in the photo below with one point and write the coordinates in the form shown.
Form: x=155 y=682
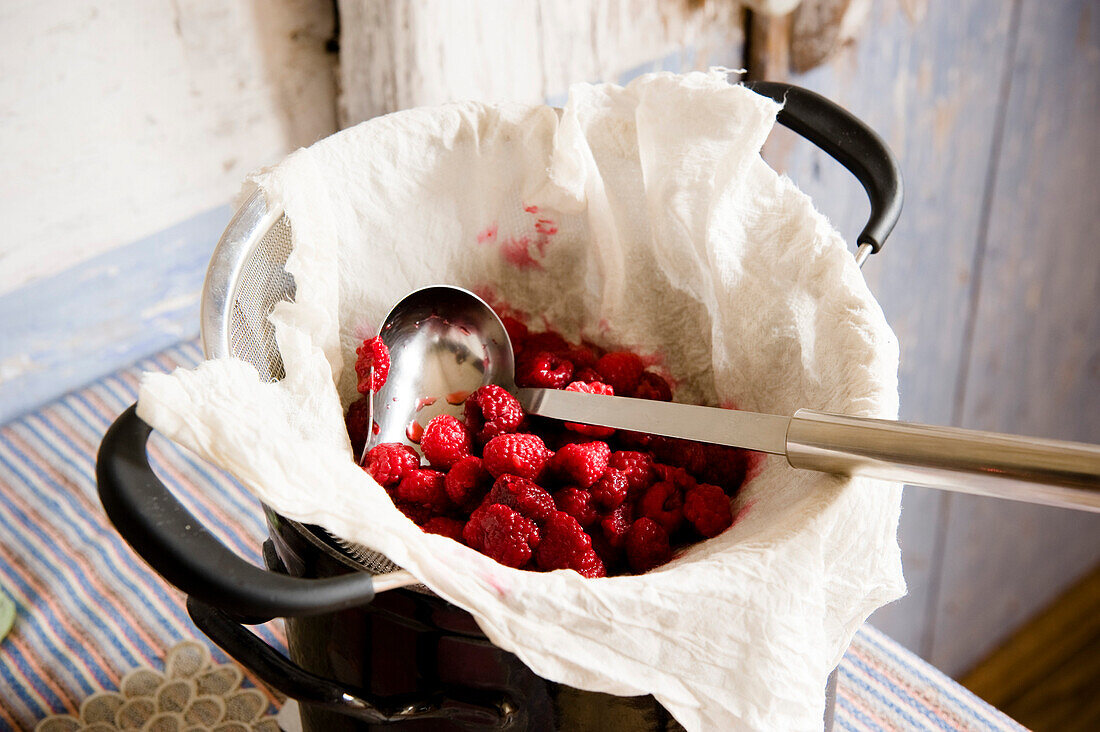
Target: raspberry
x=582 y=464
x=581 y=357
x=691 y=456
x=622 y=370
x=577 y=503
x=591 y=387
x=467 y=482
x=522 y=495
x=664 y=503
x=652 y=386
x=502 y=534
x=372 y=353
x=677 y=476
x=726 y=467
x=551 y=431
x=547 y=341
x=492 y=411
x=387 y=463
x=609 y=555
x=616 y=524
x=564 y=544
x=444 y=527
x=418 y=513
x=638 y=469
x=610 y=491
x=590 y=565
x=647 y=545
x=518 y=454
x=543 y=369
x=595 y=387
x=517 y=331
x=635 y=440
x=357 y=423
x=424 y=487
x=445 y=441
x=586 y=374
x=707 y=507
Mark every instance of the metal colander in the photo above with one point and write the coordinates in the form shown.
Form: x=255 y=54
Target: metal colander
x=246 y=279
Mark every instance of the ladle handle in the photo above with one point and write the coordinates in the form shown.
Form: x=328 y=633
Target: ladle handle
x=851 y=143
x=1050 y=472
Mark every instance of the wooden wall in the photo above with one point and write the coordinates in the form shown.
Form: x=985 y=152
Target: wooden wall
x=991 y=280
x=120 y=119
x=126 y=130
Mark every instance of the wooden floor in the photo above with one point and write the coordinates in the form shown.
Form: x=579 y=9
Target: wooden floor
x=1047 y=676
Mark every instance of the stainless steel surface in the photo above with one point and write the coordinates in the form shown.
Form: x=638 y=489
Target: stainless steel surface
x=1028 y=469
x=864 y=251
x=749 y=430
x=244 y=281
x=444 y=343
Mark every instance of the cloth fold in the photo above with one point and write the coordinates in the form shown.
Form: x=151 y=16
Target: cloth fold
x=643 y=218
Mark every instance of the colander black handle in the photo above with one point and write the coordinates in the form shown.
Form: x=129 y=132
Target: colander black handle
x=182 y=551
x=851 y=143
x=469 y=707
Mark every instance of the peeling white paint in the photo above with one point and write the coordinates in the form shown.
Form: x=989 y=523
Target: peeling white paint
x=170 y=305
x=119 y=119
x=15 y=366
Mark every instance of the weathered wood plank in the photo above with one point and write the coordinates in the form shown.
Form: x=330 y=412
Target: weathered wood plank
x=399 y=55
x=928 y=84
x=769 y=47
x=1035 y=363
x=819 y=28
x=1030 y=670
x=58 y=333
x=121 y=119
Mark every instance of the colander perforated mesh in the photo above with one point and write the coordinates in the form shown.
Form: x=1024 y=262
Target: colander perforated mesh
x=261 y=284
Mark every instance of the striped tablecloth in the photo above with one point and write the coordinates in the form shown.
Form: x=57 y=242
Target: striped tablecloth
x=89 y=610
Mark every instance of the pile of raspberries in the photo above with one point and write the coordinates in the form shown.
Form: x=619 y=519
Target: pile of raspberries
x=539 y=494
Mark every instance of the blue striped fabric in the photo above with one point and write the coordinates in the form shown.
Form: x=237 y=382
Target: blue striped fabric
x=89 y=609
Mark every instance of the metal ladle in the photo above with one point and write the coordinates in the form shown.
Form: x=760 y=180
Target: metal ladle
x=445 y=342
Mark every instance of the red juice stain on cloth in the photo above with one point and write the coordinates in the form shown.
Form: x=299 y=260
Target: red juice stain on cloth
x=743 y=512
x=488 y=234
x=754 y=463
x=516 y=250
x=516 y=253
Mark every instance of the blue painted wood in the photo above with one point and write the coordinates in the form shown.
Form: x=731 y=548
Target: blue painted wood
x=1034 y=365
x=61 y=332
x=931 y=89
